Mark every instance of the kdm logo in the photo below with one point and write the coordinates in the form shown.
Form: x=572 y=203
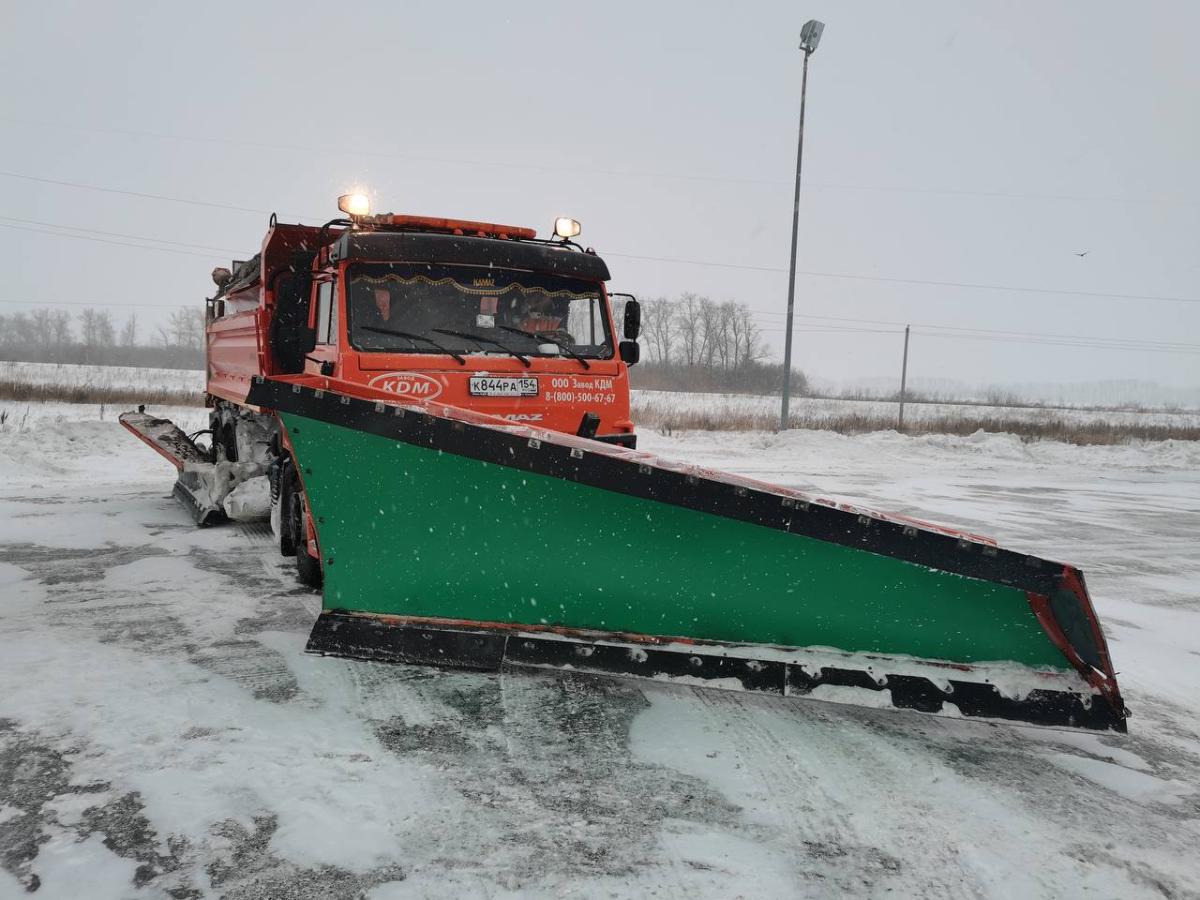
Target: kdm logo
x=408 y=384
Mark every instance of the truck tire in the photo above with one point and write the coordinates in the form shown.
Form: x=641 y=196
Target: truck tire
x=229 y=442
x=308 y=568
x=224 y=438
x=292 y=523
x=287 y=532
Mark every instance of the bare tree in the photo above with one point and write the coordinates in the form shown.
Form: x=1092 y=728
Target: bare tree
x=710 y=331
x=129 y=331
x=185 y=328
x=658 y=329
x=753 y=348
x=21 y=329
x=96 y=329
x=744 y=336
x=60 y=329
x=42 y=330
x=725 y=349
x=690 y=326
x=195 y=317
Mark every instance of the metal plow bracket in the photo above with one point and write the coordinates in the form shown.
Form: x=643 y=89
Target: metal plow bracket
x=382 y=640
x=192 y=489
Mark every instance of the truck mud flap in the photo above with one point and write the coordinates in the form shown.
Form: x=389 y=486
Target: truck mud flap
x=563 y=548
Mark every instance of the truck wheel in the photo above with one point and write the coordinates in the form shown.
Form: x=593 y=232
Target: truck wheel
x=292 y=523
x=229 y=442
x=308 y=568
x=287 y=528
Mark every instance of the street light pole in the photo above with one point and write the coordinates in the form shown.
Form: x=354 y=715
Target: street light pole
x=810 y=36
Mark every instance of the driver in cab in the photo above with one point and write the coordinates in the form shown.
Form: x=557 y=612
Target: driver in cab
x=383 y=306
x=542 y=314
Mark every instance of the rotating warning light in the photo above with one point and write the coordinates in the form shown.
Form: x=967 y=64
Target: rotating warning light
x=566 y=228
x=355 y=204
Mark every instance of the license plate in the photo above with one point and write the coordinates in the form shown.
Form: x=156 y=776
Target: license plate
x=486 y=386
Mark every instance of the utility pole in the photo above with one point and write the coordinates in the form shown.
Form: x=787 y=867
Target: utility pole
x=810 y=36
x=903 y=381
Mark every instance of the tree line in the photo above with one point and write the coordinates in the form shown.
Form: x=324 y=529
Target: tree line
x=689 y=343
x=694 y=343
x=93 y=336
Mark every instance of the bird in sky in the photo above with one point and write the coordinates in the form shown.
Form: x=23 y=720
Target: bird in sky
x=1084 y=253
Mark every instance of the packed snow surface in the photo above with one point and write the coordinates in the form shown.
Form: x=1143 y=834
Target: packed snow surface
x=163 y=734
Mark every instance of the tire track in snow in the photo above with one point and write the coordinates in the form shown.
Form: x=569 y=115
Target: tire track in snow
x=1021 y=826
x=799 y=762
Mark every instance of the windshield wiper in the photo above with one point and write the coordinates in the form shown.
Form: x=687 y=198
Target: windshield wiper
x=482 y=337
x=417 y=337
x=545 y=336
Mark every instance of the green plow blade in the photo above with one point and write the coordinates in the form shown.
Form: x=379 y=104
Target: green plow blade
x=451 y=538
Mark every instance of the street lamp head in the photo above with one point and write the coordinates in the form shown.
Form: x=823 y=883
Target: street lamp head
x=810 y=35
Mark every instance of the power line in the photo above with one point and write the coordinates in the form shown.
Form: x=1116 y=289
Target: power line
x=1001 y=195
x=85 y=237
x=116 y=234
x=692 y=262
x=406 y=157
x=92 y=303
x=142 y=195
x=1060 y=343
x=697 y=262
x=959 y=328
x=617 y=173
x=999 y=339
x=920 y=281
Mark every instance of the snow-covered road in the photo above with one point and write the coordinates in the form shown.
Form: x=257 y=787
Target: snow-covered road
x=162 y=733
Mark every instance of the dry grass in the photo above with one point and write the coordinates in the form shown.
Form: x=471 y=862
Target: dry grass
x=86 y=393
x=652 y=415
x=1047 y=429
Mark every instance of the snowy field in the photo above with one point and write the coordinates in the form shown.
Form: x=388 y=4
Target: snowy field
x=111 y=377
x=659 y=406
x=162 y=733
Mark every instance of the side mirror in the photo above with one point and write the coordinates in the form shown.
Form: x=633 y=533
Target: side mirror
x=630 y=352
x=633 y=319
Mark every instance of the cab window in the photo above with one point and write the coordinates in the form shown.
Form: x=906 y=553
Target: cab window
x=326 y=313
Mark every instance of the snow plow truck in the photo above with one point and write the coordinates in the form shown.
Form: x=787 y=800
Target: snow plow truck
x=441 y=411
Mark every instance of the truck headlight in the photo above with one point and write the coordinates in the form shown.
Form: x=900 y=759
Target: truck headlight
x=355 y=204
x=566 y=228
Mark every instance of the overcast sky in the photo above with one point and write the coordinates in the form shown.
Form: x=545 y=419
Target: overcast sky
x=973 y=143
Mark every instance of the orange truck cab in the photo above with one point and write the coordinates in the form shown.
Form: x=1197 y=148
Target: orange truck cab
x=471 y=314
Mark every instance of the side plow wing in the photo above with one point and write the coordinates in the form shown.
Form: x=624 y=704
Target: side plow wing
x=453 y=538
x=194 y=486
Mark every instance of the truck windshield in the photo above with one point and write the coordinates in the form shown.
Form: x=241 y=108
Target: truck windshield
x=429 y=308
